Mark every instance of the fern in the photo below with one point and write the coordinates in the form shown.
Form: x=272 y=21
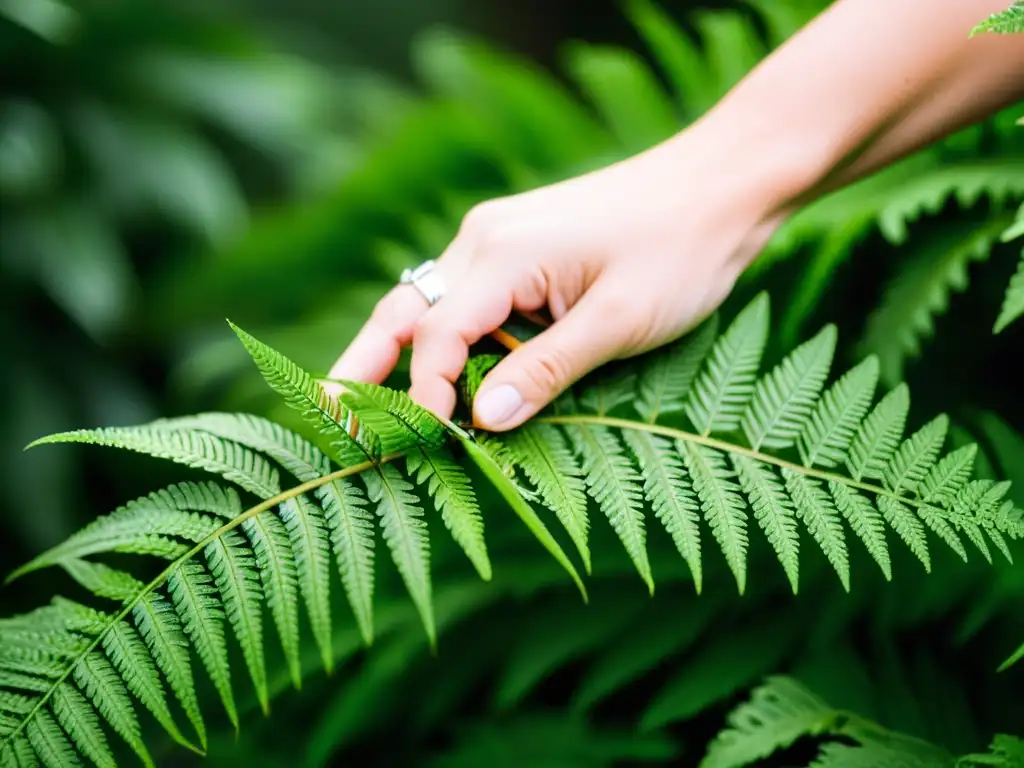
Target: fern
x=781 y=711
x=67 y=669
x=1005 y=22
x=1013 y=301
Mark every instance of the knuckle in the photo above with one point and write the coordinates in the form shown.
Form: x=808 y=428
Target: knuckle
x=550 y=371
x=480 y=217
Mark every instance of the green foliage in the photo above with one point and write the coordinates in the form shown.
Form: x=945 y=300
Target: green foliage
x=782 y=711
x=1005 y=22
x=224 y=563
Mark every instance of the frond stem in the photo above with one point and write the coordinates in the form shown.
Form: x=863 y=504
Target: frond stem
x=129 y=606
x=722 y=445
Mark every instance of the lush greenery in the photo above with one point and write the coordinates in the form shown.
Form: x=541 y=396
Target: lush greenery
x=518 y=668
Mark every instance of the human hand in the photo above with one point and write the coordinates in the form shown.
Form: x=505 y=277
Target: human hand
x=626 y=259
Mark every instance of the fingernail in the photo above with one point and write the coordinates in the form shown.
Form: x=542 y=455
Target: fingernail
x=495 y=408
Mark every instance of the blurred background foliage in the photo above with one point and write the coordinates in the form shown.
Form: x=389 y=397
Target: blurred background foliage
x=166 y=165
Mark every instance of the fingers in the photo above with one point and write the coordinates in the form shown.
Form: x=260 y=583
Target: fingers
x=594 y=331
x=480 y=302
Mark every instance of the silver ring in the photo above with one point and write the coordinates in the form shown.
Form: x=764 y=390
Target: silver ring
x=426 y=281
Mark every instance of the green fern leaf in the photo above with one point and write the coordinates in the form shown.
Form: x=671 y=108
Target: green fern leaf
x=453 y=495
x=541 y=452
x=816 y=510
x=18 y=753
x=827 y=436
x=670 y=494
x=129 y=656
x=161 y=630
x=941 y=527
x=722 y=505
x=1008 y=22
x=193 y=449
x=666 y=375
x=405 y=533
x=778 y=713
x=151 y=525
x=393 y=417
x=907 y=526
x=352 y=442
x=102 y=580
x=77 y=717
x=783 y=400
x=310 y=544
x=879 y=435
x=916 y=456
x=773 y=511
x=306 y=524
x=234 y=571
x=50 y=743
x=100 y=683
x=607 y=388
x=953 y=472
x=350 y=527
x=202 y=616
x=725 y=385
x=1013 y=301
x=617 y=488
x=865 y=521
x=275 y=563
x=921 y=290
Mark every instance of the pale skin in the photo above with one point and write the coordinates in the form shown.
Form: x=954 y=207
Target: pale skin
x=632 y=256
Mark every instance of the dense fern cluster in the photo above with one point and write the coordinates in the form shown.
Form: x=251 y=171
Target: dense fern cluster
x=695 y=434
x=782 y=711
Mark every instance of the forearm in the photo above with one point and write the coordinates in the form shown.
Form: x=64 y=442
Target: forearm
x=864 y=84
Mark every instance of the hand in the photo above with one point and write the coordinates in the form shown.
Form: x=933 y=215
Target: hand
x=626 y=259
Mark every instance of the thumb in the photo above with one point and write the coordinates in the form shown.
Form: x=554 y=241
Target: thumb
x=531 y=376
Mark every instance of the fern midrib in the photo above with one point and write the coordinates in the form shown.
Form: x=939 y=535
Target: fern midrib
x=722 y=445
x=162 y=577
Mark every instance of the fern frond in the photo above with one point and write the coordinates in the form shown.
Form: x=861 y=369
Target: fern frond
x=161 y=630
x=541 y=452
x=151 y=525
x=202 y=617
x=723 y=507
x=773 y=511
x=102 y=580
x=953 y=472
x=827 y=436
x=191 y=448
x=725 y=385
x=1008 y=22
x=405 y=533
x=310 y=543
x=50 y=743
x=817 y=511
x=352 y=442
x=453 y=494
x=921 y=291
x=1013 y=301
x=879 y=435
x=665 y=377
x=617 y=488
x=275 y=564
x=783 y=400
x=907 y=526
x=668 y=489
x=778 y=713
x=233 y=566
x=130 y=657
x=101 y=684
x=865 y=521
x=77 y=717
x=397 y=421
x=916 y=456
